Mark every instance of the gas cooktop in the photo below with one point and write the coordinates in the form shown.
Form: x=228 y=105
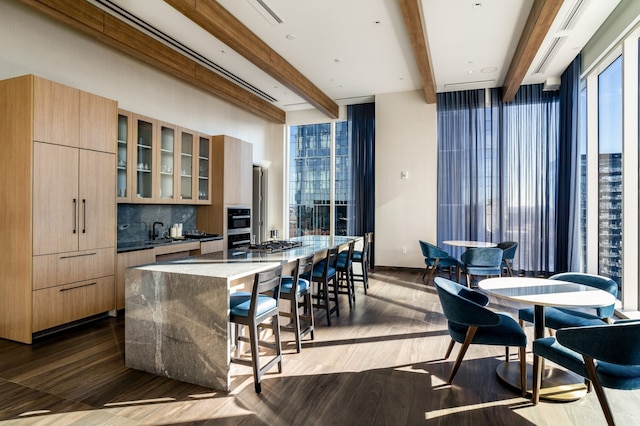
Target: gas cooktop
x=275 y=246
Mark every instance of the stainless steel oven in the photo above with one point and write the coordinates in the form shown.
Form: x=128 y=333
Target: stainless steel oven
x=238 y=218
x=238 y=227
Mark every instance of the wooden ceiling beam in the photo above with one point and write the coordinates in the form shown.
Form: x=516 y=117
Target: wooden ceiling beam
x=221 y=24
x=412 y=13
x=541 y=17
x=94 y=22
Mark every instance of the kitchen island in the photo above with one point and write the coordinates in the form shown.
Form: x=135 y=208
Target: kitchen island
x=177 y=313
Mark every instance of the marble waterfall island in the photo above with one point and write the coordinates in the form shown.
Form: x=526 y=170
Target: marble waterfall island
x=177 y=316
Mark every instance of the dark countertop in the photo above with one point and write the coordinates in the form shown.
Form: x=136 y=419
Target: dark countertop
x=149 y=244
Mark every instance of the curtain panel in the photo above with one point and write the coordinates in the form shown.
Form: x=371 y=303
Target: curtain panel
x=569 y=249
x=361 y=120
x=497 y=173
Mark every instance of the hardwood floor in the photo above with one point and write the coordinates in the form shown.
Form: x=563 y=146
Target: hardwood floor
x=381 y=363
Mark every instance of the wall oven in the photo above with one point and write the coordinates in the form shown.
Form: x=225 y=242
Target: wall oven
x=238 y=227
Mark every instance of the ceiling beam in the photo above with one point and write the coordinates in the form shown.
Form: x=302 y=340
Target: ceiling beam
x=94 y=22
x=541 y=17
x=412 y=13
x=221 y=24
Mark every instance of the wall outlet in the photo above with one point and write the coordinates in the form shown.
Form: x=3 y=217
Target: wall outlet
x=404 y=250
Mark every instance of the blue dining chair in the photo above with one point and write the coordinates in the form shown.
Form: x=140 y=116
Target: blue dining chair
x=484 y=261
x=253 y=310
x=606 y=355
x=297 y=291
x=471 y=323
x=557 y=318
x=508 y=253
x=436 y=258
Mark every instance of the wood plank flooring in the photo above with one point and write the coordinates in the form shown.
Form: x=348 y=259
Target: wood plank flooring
x=381 y=363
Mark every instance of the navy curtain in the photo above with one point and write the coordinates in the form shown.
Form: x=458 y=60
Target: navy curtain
x=497 y=177
x=362 y=135
x=567 y=242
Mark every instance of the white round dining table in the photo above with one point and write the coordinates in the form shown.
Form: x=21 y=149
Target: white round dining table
x=558 y=384
x=469 y=244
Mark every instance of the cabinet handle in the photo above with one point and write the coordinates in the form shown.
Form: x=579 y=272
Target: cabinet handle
x=79 y=286
x=75 y=216
x=84 y=216
x=77 y=255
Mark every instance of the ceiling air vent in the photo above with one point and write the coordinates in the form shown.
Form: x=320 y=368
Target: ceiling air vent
x=563 y=31
x=266 y=11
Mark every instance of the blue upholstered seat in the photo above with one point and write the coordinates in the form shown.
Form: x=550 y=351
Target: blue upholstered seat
x=484 y=261
x=607 y=355
x=287 y=284
x=557 y=318
x=472 y=323
x=436 y=258
x=265 y=303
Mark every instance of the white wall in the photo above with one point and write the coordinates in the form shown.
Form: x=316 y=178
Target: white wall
x=32 y=43
x=405 y=208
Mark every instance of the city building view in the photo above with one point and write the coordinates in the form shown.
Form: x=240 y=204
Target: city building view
x=310 y=179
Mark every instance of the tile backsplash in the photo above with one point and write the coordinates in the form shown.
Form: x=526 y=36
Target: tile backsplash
x=135 y=220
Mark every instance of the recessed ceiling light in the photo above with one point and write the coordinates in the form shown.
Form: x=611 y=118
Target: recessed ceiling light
x=470 y=72
x=290 y=36
x=488 y=70
x=477 y=4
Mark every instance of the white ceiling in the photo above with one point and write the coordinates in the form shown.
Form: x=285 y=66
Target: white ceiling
x=355 y=49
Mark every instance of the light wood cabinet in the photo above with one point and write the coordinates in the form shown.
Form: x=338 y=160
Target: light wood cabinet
x=160 y=163
x=127 y=260
x=59 y=216
x=231 y=181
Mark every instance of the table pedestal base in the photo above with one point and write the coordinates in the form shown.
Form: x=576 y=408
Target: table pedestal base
x=557 y=384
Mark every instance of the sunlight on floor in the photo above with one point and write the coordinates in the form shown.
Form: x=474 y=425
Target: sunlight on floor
x=452 y=410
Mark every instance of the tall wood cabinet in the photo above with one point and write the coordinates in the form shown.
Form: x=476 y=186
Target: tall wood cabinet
x=58 y=195
x=231 y=182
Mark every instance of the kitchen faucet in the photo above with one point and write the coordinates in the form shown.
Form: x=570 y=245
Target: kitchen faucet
x=154 y=234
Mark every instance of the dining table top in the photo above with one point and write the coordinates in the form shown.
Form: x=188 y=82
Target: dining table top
x=469 y=244
x=546 y=292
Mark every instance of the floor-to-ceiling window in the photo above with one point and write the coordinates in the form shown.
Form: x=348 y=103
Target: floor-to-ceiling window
x=612 y=166
x=319 y=179
x=610 y=172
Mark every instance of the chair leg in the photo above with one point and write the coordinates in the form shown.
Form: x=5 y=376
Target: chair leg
x=537 y=378
x=325 y=294
x=295 y=315
x=468 y=281
x=449 y=349
x=509 y=270
x=523 y=370
x=255 y=358
x=365 y=276
x=433 y=271
x=471 y=331
x=593 y=376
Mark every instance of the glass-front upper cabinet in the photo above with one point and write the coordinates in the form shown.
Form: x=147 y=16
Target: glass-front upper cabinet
x=204 y=164
x=186 y=165
x=144 y=130
x=122 y=175
x=167 y=162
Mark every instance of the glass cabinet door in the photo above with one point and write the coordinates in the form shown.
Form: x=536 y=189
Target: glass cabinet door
x=186 y=166
x=144 y=157
x=122 y=186
x=167 y=166
x=204 y=161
